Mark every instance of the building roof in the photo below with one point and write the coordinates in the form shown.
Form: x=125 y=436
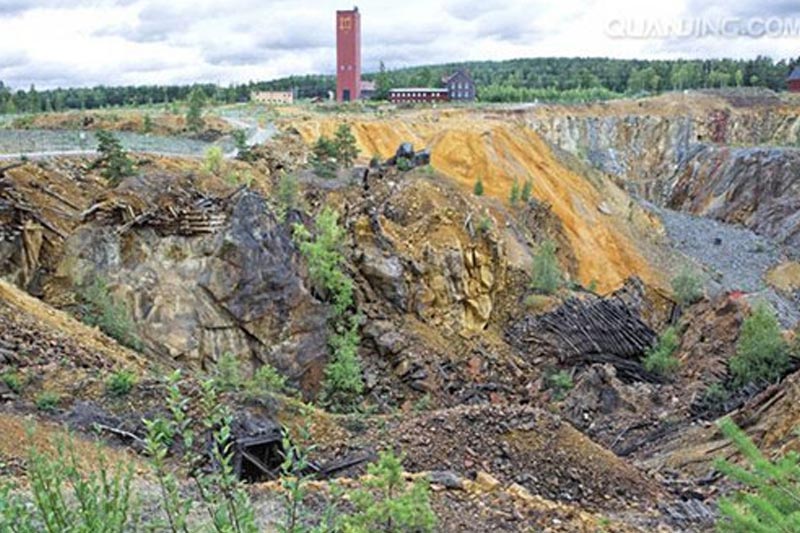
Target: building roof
x=795 y=75
x=446 y=79
x=367 y=85
x=417 y=90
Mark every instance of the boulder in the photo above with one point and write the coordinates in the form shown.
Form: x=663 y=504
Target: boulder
x=385 y=275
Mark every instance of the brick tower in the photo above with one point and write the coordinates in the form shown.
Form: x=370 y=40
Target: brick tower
x=348 y=55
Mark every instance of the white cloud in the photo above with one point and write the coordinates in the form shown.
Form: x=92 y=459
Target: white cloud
x=87 y=42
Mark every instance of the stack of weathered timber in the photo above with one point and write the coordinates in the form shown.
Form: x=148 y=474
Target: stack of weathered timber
x=588 y=330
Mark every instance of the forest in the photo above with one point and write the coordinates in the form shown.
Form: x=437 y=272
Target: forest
x=516 y=80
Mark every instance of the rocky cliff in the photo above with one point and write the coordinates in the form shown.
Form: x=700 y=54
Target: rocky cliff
x=729 y=156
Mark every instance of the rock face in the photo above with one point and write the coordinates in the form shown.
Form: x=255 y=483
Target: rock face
x=690 y=157
x=756 y=187
x=423 y=254
x=239 y=290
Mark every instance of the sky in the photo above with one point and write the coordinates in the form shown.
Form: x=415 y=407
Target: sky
x=71 y=43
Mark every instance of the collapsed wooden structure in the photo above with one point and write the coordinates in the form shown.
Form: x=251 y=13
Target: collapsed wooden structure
x=181 y=211
x=589 y=330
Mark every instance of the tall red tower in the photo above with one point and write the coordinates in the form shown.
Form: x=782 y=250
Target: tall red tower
x=348 y=55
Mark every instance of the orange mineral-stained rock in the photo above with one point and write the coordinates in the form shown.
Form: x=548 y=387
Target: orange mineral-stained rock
x=468 y=145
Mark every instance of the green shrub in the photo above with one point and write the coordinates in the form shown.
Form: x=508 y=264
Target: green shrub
x=560 y=383
x=343 y=383
x=345 y=144
x=527 y=190
x=222 y=497
x=121 y=383
x=770 y=498
x=687 y=286
x=660 y=359
x=147 y=124
x=243 y=150
x=404 y=164
x=484 y=224
x=546 y=276
x=65 y=497
x=716 y=394
x=762 y=354
x=386 y=503
x=47 y=400
x=294 y=480
x=323 y=157
x=288 y=190
x=323 y=254
x=266 y=380
x=12 y=380
x=213 y=159
x=477 y=189
x=100 y=309
x=194 y=114
x=113 y=158
x=515 y=192
x=227 y=373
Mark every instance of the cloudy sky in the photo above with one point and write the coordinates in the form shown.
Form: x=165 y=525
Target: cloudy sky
x=118 y=42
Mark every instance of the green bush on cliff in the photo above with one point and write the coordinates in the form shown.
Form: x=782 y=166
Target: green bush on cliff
x=762 y=354
x=213 y=159
x=343 y=383
x=477 y=189
x=288 y=193
x=687 y=286
x=323 y=157
x=660 y=359
x=546 y=276
x=323 y=254
x=527 y=190
x=513 y=197
x=100 y=309
x=121 y=382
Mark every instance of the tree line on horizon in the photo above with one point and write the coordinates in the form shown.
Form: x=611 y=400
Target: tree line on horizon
x=516 y=80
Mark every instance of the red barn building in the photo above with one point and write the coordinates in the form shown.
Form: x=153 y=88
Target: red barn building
x=348 y=55
x=793 y=81
x=418 y=95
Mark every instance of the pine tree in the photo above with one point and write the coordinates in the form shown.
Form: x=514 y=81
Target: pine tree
x=345 y=144
x=387 y=503
x=770 y=500
x=478 y=188
x=113 y=158
x=527 y=189
x=514 y=196
x=546 y=276
x=323 y=157
x=382 y=83
x=194 y=115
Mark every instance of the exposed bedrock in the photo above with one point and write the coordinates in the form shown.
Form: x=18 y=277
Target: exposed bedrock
x=195 y=297
x=736 y=165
